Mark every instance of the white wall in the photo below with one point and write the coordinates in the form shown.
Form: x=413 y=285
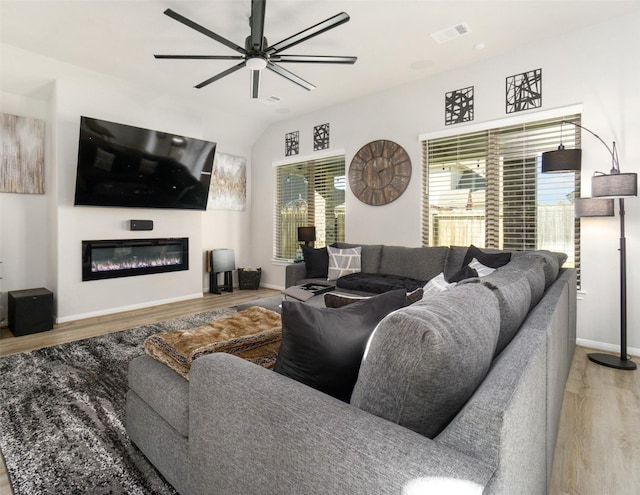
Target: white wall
x=25 y=218
x=596 y=68
x=36 y=228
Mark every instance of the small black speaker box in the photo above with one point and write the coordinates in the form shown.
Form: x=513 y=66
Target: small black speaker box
x=30 y=311
x=141 y=224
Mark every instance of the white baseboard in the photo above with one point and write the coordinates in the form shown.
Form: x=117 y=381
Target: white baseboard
x=272 y=286
x=126 y=308
x=601 y=346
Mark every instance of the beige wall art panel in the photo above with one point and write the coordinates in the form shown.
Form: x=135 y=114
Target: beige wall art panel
x=228 y=189
x=21 y=155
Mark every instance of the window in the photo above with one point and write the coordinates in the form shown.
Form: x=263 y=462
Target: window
x=486 y=188
x=308 y=193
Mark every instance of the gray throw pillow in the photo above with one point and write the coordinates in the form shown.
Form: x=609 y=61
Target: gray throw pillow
x=323 y=347
x=343 y=261
x=425 y=361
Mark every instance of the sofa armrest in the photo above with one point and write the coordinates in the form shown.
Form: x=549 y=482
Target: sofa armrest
x=294 y=272
x=255 y=431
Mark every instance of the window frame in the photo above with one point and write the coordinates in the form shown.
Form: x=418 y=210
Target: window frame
x=336 y=234
x=530 y=119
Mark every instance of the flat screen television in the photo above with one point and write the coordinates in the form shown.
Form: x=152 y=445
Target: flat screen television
x=126 y=166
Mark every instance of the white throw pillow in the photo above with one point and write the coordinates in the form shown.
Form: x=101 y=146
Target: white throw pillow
x=482 y=270
x=343 y=261
x=435 y=285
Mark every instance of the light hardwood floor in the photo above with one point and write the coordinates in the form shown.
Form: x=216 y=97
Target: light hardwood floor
x=598 y=447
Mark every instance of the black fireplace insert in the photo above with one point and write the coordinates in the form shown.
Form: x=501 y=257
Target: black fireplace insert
x=130 y=257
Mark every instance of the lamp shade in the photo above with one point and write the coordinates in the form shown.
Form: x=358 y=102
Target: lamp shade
x=306 y=234
x=614 y=185
x=561 y=160
x=593 y=207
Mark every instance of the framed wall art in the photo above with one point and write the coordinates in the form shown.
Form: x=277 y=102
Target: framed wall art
x=21 y=155
x=228 y=189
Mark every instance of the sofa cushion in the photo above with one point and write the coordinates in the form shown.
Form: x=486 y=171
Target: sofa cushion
x=323 y=347
x=343 y=261
x=337 y=300
x=370 y=255
x=164 y=390
x=425 y=361
x=317 y=262
x=551 y=263
x=377 y=283
x=421 y=263
x=532 y=267
x=511 y=288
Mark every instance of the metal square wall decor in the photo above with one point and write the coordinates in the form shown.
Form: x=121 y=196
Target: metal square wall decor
x=321 y=137
x=292 y=143
x=524 y=91
x=458 y=106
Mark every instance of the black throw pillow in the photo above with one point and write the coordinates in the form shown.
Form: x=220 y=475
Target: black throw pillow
x=465 y=273
x=317 y=261
x=323 y=347
x=492 y=260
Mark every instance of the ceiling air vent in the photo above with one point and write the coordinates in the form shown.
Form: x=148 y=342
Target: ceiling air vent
x=451 y=33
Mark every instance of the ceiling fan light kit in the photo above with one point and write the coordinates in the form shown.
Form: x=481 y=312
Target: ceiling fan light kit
x=257 y=54
x=256 y=63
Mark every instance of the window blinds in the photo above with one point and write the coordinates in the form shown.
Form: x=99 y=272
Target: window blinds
x=308 y=193
x=486 y=188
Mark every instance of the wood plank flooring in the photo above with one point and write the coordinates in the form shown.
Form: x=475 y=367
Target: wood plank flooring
x=100 y=325
x=598 y=447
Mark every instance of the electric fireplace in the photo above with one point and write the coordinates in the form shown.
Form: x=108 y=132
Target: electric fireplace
x=130 y=257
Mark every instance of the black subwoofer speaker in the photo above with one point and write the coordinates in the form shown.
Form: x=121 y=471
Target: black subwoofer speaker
x=30 y=311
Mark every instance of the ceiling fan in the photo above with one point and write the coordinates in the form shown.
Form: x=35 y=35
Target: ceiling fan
x=257 y=54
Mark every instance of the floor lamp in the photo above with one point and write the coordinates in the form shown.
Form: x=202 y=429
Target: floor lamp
x=604 y=188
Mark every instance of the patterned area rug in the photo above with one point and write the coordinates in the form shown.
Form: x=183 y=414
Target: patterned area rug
x=62 y=413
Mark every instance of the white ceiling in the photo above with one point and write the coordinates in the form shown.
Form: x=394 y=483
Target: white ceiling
x=391 y=39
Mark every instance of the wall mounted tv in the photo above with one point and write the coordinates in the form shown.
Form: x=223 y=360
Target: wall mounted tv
x=122 y=165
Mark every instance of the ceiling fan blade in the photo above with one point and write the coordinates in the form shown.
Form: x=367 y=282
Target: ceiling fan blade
x=255 y=83
x=205 y=31
x=257 y=24
x=221 y=75
x=313 y=59
x=290 y=76
x=200 y=57
x=319 y=28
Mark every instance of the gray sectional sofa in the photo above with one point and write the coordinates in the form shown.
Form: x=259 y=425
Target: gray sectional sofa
x=383 y=268
x=460 y=393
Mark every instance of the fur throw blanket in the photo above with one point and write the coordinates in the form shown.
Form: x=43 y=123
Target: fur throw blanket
x=253 y=334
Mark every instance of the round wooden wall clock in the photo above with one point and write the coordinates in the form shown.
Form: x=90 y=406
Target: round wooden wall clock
x=379 y=172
